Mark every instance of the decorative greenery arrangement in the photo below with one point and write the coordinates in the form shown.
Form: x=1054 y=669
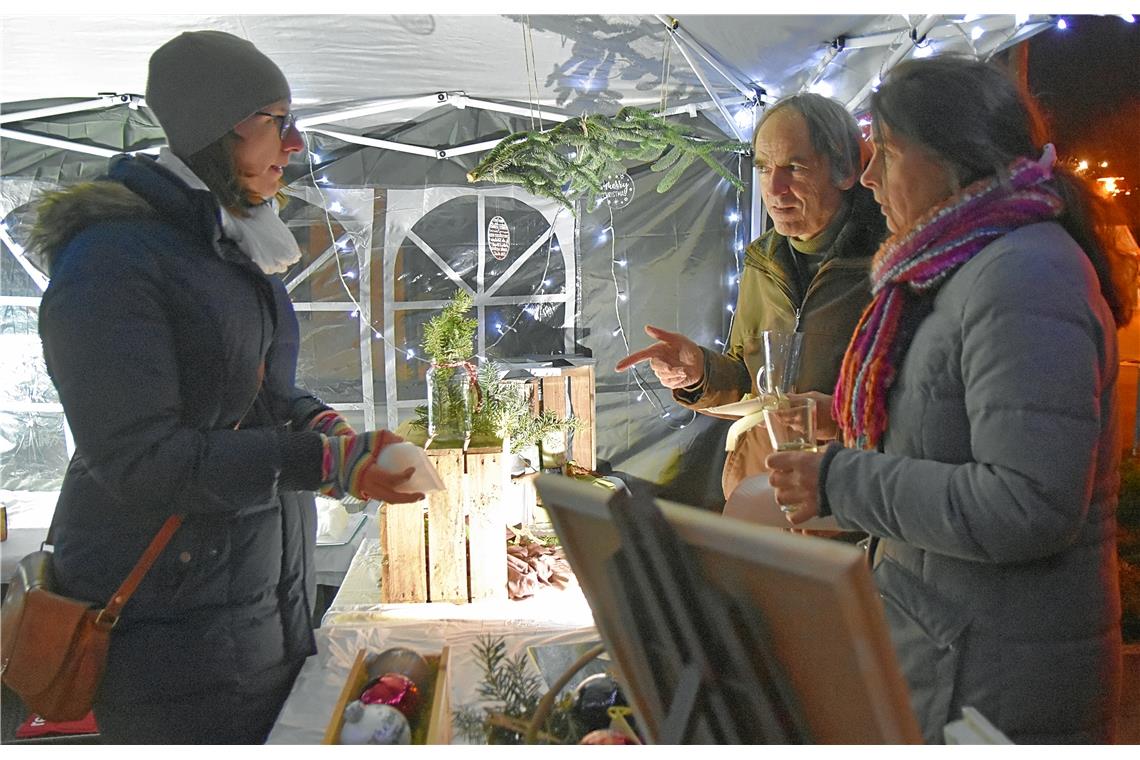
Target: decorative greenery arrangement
x=575 y=156
x=508 y=682
x=450 y=335
x=503 y=412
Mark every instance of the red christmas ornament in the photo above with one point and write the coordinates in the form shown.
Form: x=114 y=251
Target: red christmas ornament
x=393 y=689
x=606 y=736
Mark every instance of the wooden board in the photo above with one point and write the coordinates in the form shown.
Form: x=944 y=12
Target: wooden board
x=554 y=396
x=582 y=405
x=434 y=724
x=446 y=539
x=403 y=553
x=815 y=598
x=486 y=525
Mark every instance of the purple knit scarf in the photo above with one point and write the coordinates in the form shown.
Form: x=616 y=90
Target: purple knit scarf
x=918 y=261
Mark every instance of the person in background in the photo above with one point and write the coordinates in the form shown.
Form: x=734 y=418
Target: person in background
x=977 y=407
x=808 y=273
x=173 y=346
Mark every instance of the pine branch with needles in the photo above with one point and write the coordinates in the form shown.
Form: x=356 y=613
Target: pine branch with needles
x=574 y=157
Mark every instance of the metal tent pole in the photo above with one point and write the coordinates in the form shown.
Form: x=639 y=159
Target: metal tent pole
x=920 y=31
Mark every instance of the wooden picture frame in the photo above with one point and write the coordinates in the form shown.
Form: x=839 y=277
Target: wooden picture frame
x=816 y=641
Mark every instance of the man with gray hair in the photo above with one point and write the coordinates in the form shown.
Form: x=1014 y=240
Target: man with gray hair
x=807 y=274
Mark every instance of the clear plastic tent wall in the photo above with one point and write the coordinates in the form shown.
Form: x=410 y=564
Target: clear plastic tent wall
x=389 y=238
x=392 y=237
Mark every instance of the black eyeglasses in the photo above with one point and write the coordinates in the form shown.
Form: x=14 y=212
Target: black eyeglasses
x=285 y=121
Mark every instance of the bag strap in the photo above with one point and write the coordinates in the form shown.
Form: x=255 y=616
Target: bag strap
x=109 y=615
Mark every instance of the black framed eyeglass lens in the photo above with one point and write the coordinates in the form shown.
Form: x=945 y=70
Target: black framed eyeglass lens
x=285 y=122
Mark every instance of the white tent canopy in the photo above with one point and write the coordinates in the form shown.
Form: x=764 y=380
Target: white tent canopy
x=571 y=63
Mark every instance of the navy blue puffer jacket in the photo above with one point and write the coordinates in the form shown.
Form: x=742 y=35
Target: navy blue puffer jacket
x=162 y=338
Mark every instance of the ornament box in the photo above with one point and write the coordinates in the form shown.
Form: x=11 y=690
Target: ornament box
x=460 y=554
x=434 y=723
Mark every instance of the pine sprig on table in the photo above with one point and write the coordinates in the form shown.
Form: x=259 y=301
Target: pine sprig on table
x=575 y=156
x=508 y=683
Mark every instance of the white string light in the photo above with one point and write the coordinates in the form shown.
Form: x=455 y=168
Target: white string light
x=345 y=246
x=620 y=296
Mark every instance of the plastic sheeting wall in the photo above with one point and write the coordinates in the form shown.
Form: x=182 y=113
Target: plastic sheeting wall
x=665 y=259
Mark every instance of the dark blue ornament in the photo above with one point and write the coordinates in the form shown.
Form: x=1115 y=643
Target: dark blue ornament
x=593 y=698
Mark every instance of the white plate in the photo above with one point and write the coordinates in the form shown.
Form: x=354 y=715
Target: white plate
x=738 y=408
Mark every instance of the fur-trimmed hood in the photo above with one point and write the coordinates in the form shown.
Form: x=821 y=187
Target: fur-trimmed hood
x=63 y=214
x=136 y=187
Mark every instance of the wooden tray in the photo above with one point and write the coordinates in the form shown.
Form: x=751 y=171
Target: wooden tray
x=434 y=725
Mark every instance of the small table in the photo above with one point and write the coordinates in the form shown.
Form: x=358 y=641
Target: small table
x=332 y=560
x=20 y=543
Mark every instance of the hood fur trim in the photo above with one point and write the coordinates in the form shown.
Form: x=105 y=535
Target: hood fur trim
x=63 y=214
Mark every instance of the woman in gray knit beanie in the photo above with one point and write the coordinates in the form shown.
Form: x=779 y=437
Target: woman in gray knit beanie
x=173 y=346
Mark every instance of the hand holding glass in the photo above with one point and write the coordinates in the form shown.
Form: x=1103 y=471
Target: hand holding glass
x=791 y=427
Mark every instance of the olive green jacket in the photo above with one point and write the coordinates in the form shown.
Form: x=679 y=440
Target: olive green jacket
x=826 y=314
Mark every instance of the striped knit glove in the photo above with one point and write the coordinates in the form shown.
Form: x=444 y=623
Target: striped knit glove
x=347 y=458
x=329 y=422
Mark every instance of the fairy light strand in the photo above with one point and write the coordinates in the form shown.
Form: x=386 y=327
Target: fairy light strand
x=647 y=392
x=343 y=276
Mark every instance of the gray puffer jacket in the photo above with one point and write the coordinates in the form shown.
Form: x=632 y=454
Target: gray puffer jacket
x=995 y=497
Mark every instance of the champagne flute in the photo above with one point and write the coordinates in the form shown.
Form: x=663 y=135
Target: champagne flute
x=781 y=359
x=792 y=428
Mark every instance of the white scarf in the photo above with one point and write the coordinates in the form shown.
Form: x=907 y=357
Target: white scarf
x=262 y=235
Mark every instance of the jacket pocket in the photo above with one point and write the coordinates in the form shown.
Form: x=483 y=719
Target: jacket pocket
x=928 y=632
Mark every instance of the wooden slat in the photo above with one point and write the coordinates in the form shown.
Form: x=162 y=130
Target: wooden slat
x=353 y=685
x=554 y=396
x=439 y=723
x=583 y=406
x=486 y=524
x=402 y=552
x=447 y=546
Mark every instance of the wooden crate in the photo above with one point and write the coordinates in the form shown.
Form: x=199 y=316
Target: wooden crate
x=461 y=553
x=569 y=392
x=434 y=724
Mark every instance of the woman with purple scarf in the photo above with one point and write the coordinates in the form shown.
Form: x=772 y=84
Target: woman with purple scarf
x=976 y=408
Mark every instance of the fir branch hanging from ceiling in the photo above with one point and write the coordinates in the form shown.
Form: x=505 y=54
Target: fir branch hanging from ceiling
x=575 y=156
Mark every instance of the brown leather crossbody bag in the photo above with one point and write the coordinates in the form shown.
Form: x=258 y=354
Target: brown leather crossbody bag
x=53 y=648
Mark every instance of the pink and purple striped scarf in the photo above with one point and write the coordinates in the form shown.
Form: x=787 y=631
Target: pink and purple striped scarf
x=917 y=262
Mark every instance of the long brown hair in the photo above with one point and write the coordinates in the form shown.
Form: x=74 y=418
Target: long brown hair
x=215 y=166
x=973 y=117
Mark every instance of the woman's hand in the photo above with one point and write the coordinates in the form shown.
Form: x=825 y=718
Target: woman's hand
x=794 y=477
x=349 y=467
x=826 y=428
x=384 y=485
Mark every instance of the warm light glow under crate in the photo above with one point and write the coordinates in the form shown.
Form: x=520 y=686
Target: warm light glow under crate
x=451 y=547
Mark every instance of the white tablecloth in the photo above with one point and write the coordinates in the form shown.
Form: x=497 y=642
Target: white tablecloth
x=356 y=620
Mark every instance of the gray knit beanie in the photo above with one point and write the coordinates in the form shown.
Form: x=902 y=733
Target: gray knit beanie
x=202 y=84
